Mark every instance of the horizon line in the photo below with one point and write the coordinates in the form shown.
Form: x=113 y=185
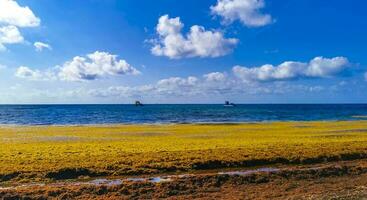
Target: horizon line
x=35 y=104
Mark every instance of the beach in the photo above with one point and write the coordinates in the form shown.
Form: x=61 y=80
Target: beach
x=181 y=100
x=179 y=160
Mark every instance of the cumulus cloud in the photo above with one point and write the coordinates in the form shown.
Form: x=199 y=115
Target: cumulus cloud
x=197 y=43
x=35 y=75
x=9 y=35
x=12 y=13
x=215 y=77
x=175 y=82
x=177 y=85
x=256 y=81
x=94 y=66
x=40 y=46
x=242 y=80
x=27 y=73
x=12 y=16
x=318 y=67
x=246 y=11
x=324 y=67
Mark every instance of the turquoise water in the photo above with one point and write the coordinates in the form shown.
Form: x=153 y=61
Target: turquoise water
x=110 y=114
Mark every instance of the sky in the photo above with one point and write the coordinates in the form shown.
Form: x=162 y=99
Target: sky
x=166 y=51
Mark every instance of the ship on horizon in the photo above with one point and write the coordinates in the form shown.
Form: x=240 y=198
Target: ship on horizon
x=228 y=104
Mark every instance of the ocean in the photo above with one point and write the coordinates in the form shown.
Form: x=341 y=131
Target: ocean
x=152 y=114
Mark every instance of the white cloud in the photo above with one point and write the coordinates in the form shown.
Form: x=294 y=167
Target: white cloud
x=169 y=87
x=197 y=43
x=27 y=73
x=34 y=75
x=215 y=77
x=177 y=85
x=324 y=67
x=317 y=67
x=201 y=91
x=40 y=46
x=94 y=66
x=11 y=13
x=365 y=76
x=220 y=85
x=193 y=87
x=174 y=82
x=247 y=11
x=9 y=35
x=12 y=16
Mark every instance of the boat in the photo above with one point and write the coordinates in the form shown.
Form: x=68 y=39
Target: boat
x=138 y=103
x=228 y=104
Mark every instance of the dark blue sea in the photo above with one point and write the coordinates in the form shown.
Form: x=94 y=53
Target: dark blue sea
x=127 y=114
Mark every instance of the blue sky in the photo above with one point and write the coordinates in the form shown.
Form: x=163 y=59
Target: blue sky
x=208 y=51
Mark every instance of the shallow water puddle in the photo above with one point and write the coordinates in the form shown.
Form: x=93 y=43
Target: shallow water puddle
x=105 y=182
x=159 y=179
x=153 y=179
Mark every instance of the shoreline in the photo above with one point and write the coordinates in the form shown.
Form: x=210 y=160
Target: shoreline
x=356 y=119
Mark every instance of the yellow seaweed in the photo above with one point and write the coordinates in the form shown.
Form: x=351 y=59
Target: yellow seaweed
x=135 y=148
